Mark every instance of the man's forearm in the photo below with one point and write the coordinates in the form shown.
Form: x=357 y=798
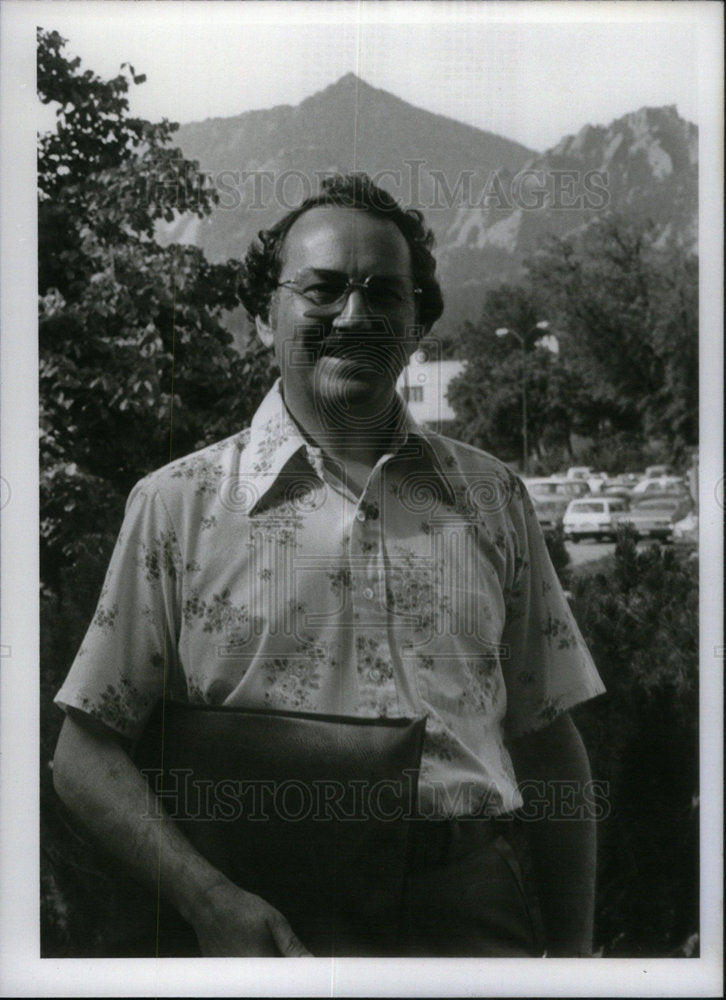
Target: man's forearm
x=99 y=783
x=101 y=786
x=561 y=832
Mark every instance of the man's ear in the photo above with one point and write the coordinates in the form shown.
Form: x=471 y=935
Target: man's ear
x=264 y=331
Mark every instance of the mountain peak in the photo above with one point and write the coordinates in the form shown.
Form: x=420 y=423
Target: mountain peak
x=647 y=113
x=645 y=164
x=348 y=80
x=347 y=84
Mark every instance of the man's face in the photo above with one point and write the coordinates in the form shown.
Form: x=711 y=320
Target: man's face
x=346 y=358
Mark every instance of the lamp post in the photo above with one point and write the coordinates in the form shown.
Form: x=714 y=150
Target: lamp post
x=503 y=331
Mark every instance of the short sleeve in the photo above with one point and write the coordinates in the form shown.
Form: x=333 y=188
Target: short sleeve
x=546 y=665
x=129 y=652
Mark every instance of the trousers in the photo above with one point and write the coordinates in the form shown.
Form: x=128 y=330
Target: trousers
x=465 y=894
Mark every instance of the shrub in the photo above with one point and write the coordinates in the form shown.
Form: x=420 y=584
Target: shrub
x=640 y=619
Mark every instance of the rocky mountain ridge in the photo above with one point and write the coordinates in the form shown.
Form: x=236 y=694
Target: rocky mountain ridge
x=488 y=199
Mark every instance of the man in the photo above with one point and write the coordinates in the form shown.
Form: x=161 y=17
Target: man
x=336 y=558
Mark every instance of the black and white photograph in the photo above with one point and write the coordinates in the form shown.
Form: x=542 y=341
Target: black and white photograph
x=362 y=498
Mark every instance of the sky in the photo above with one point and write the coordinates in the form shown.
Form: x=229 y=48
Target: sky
x=532 y=72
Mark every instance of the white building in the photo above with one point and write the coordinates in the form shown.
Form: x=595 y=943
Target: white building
x=424 y=384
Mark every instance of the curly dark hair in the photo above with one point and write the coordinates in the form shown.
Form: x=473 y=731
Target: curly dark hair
x=261 y=266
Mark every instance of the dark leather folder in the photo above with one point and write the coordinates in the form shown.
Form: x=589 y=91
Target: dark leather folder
x=308 y=811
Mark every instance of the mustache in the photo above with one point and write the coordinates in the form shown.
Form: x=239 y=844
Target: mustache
x=355 y=341
x=344 y=347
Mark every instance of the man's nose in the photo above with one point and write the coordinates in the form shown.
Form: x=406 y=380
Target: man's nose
x=356 y=311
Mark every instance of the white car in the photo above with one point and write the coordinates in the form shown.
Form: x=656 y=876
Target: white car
x=551 y=497
x=593 y=517
x=660 y=484
x=653 y=515
x=554 y=487
x=596 y=481
x=685 y=531
x=579 y=472
x=655 y=471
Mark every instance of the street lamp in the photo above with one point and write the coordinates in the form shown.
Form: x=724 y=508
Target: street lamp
x=502 y=332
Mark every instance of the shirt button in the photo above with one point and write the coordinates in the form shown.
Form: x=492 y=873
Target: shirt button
x=360 y=515
x=368 y=593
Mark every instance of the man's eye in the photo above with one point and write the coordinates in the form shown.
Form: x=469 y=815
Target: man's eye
x=324 y=292
x=386 y=292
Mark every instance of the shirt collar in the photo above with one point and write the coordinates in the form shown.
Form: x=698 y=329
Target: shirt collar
x=275 y=438
x=434 y=449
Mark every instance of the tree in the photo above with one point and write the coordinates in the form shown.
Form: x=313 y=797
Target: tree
x=624 y=308
x=487 y=396
x=639 y=616
x=136 y=363
x=626 y=304
x=136 y=368
x=675 y=340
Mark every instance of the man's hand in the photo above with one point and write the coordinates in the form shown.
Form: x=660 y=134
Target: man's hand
x=232 y=922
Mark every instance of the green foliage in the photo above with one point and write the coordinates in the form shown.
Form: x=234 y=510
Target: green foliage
x=487 y=396
x=136 y=367
x=627 y=308
x=618 y=452
x=98 y=159
x=640 y=626
x=136 y=362
x=639 y=616
x=624 y=310
x=67 y=533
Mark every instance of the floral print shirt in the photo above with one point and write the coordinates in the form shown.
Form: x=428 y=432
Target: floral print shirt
x=248 y=574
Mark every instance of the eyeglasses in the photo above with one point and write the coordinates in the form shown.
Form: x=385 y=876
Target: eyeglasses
x=328 y=291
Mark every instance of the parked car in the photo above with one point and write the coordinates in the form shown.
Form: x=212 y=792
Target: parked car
x=593 y=517
x=596 y=481
x=685 y=531
x=654 y=516
x=622 y=484
x=579 y=472
x=655 y=471
x=551 y=497
x=549 y=511
x=660 y=484
x=552 y=486
x=616 y=491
